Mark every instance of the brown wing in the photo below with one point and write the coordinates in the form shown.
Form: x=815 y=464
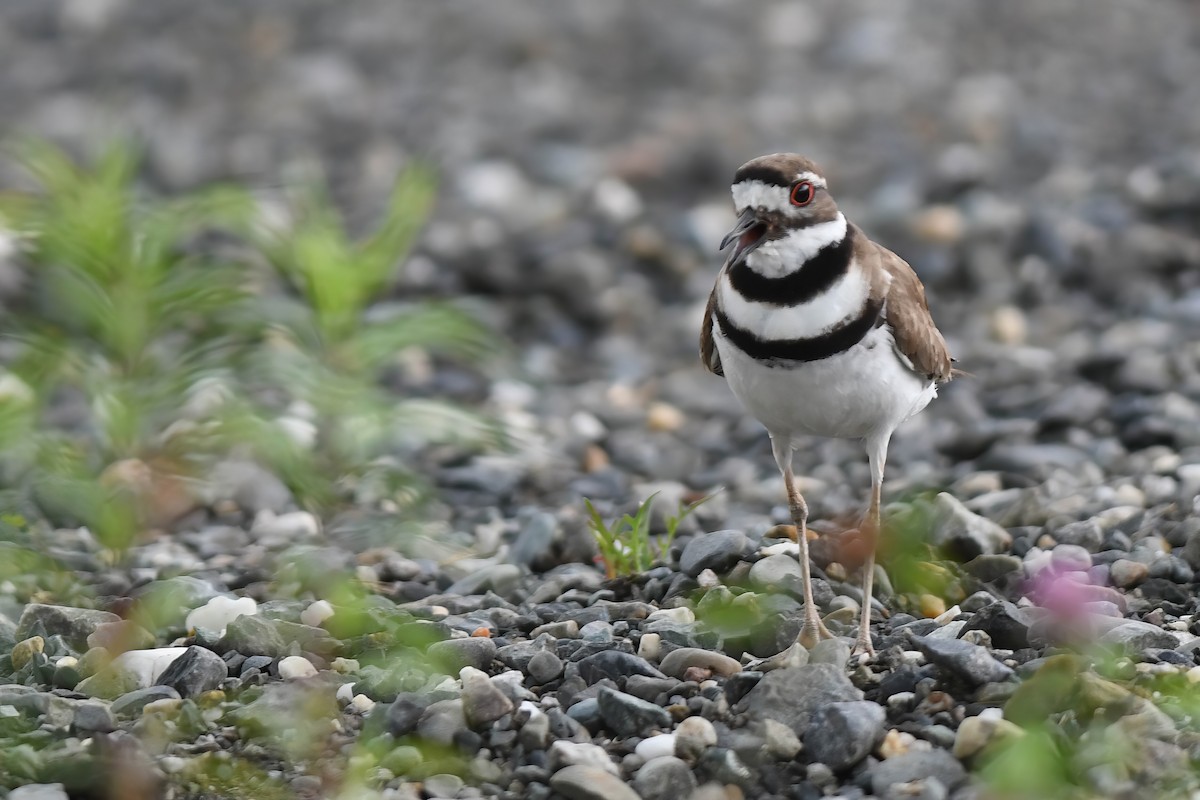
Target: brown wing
x=917 y=338
x=708 y=347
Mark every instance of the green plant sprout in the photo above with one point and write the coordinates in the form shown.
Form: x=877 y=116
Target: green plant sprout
x=626 y=546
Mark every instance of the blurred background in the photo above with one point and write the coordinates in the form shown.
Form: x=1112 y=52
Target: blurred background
x=1037 y=162
x=399 y=279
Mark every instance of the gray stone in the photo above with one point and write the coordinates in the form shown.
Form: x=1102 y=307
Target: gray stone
x=842 y=734
x=1085 y=533
x=195 y=672
x=666 y=778
x=991 y=568
x=482 y=701
x=916 y=765
x=830 y=651
x=615 y=665
x=132 y=703
x=443 y=785
x=792 y=695
x=535 y=539
x=1005 y=623
x=568 y=754
x=972 y=663
x=73 y=624
x=677 y=662
x=500 y=578
x=773 y=571
x=544 y=667
x=405 y=712
x=581 y=782
x=454 y=654
x=1135 y=635
x=254 y=635
x=39 y=791
x=967 y=532
x=441 y=721
x=94 y=717
x=717 y=551
x=629 y=716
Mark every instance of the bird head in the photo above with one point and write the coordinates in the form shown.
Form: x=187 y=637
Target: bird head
x=781 y=198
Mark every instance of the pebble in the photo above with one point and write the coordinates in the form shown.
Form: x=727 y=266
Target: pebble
x=75 y=625
x=693 y=736
x=316 y=613
x=24 y=651
x=664 y=778
x=970 y=533
x=482 y=701
x=656 y=746
x=293 y=668
x=678 y=661
x=916 y=765
x=565 y=753
x=544 y=667
x=217 y=613
x=717 y=551
x=627 y=715
x=454 y=654
x=194 y=672
x=970 y=662
x=582 y=782
x=842 y=734
x=792 y=695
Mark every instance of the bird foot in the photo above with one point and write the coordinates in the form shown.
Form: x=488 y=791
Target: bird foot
x=864 y=647
x=813 y=631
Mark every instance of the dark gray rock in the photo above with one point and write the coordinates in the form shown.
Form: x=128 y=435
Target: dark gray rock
x=717 y=551
x=544 y=667
x=454 y=654
x=1137 y=636
x=195 y=672
x=535 y=540
x=94 y=718
x=915 y=765
x=404 y=713
x=970 y=662
x=73 y=624
x=627 y=715
x=1005 y=623
x=132 y=703
x=666 y=778
x=842 y=734
x=615 y=665
x=792 y=695
x=442 y=721
x=253 y=635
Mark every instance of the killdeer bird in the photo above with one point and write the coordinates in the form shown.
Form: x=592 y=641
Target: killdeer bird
x=819 y=331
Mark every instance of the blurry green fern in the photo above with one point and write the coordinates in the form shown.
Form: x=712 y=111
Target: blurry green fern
x=330 y=341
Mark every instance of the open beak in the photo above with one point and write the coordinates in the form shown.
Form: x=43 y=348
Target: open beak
x=746 y=235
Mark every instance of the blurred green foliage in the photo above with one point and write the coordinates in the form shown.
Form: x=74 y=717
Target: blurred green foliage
x=153 y=337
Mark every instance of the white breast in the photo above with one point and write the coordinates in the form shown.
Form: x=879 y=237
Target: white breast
x=844 y=300
x=861 y=392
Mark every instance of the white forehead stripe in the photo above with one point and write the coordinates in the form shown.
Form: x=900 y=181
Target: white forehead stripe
x=756 y=194
x=776 y=257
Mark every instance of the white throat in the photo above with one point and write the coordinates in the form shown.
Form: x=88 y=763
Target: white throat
x=778 y=257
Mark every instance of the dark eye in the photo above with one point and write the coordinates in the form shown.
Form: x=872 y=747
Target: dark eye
x=802 y=193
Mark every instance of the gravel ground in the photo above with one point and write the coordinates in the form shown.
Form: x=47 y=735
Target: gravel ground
x=1037 y=162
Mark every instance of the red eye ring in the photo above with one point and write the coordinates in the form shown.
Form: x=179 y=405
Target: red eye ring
x=803 y=193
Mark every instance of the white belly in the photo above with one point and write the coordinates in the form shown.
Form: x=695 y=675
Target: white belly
x=863 y=392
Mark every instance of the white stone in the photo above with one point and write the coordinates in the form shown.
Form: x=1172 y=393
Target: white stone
x=316 y=613
x=294 y=667
x=217 y=613
x=567 y=753
x=362 y=704
x=656 y=746
x=650 y=646
x=288 y=526
x=680 y=614
x=300 y=431
x=147 y=665
x=345 y=693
